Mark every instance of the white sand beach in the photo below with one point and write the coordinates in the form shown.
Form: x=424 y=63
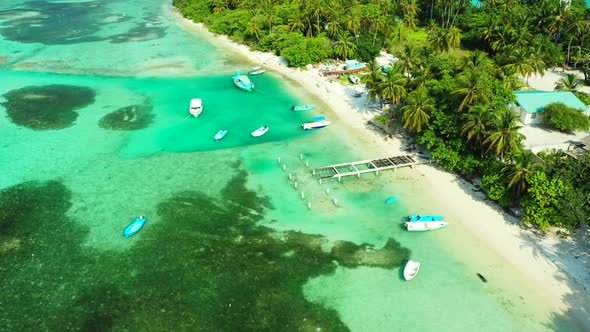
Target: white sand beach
x=541 y=260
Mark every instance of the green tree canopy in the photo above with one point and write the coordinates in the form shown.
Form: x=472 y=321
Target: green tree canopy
x=564 y=118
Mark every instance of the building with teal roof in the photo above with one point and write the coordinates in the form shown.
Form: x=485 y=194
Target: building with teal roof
x=531 y=103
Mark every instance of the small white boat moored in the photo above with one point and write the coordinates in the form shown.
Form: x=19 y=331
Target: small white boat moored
x=412 y=226
x=411 y=269
x=220 y=134
x=196 y=107
x=260 y=131
x=315 y=124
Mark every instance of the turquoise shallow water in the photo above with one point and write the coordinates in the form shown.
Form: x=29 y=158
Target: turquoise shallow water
x=230 y=242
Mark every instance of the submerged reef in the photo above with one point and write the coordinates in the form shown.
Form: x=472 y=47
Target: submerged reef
x=47 y=106
x=203 y=263
x=131 y=117
x=63 y=23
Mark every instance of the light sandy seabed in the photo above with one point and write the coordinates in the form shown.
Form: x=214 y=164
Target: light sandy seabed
x=547 y=261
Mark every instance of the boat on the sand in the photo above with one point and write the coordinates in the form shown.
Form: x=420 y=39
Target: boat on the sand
x=302 y=107
x=425 y=226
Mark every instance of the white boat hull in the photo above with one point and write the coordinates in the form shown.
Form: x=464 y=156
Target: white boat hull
x=196 y=107
x=411 y=269
x=413 y=226
x=315 y=124
x=260 y=131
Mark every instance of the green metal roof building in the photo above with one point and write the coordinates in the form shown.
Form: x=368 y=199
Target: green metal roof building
x=529 y=103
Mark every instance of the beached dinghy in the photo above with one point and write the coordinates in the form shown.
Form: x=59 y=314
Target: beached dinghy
x=425 y=226
x=302 y=107
x=134 y=226
x=260 y=131
x=220 y=134
x=354 y=79
x=315 y=124
x=243 y=82
x=256 y=71
x=425 y=217
x=196 y=107
x=411 y=269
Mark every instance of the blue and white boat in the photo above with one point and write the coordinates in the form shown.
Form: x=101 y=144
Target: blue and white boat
x=220 y=134
x=243 y=82
x=134 y=226
x=315 y=124
x=425 y=217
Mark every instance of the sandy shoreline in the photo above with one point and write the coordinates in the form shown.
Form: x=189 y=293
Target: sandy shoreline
x=525 y=251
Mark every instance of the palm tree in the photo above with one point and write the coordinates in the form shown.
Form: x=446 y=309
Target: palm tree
x=381 y=25
x=453 y=37
x=422 y=76
x=469 y=82
x=501 y=37
x=393 y=86
x=253 y=29
x=505 y=137
x=522 y=163
x=569 y=83
x=408 y=58
x=477 y=121
x=415 y=113
x=477 y=60
x=400 y=36
x=410 y=22
x=438 y=40
x=333 y=28
x=372 y=81
x=520 y=62
x=344 y=47
x=296 y=24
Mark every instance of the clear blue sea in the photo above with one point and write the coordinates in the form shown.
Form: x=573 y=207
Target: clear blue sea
x=95 y=131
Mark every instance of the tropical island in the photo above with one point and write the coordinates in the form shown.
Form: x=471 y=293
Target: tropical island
x=453 y=86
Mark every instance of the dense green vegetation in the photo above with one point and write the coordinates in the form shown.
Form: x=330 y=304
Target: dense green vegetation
x=564 y=118
x=458 y=67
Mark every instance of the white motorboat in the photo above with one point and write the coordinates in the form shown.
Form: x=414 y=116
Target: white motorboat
x=196 y=107
x=411 y=269
x=354 y=79
x=315 y=124
x=260 y=131
x=425 y=226
x=220 y=134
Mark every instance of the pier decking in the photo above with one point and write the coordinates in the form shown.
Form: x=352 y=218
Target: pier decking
x=368 y=166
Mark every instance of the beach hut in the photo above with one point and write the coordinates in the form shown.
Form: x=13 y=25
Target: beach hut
x=531 y=103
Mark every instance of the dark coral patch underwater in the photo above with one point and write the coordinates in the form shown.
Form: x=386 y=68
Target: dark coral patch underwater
x=202 y=264
x=131 y=117
x=47 y=106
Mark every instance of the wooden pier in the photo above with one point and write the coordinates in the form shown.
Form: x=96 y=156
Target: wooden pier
x=368 y=166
